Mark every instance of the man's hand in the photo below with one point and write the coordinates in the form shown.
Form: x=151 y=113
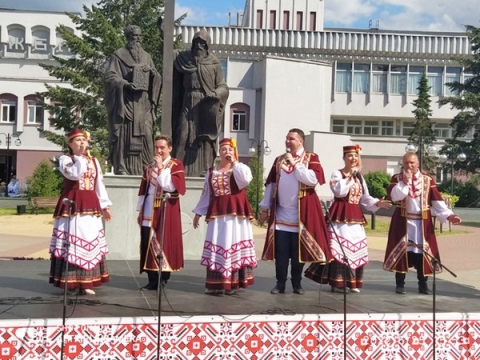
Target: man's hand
x=407 y=176
x=454 y=219
x=131 y=87
x=158 y=159
x=196 y=220
x=263 y=217
x=139 y=219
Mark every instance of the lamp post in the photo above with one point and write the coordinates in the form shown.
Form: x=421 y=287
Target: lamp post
x=261 y=146
x=460 y=157
x=8 y=139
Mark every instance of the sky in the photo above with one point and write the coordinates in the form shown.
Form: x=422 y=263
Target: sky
x=423 y=15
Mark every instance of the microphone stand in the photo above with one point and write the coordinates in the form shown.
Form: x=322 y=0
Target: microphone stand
x=346 y=266
x=435 y=262
x=160 y=266
x=65 y=276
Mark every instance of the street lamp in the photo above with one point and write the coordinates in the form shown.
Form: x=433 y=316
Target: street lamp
x=460 y=157
x=261 y=145
x=18 y=142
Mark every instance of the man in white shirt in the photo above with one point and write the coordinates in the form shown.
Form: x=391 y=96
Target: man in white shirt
x=296 y=225
x=411 y=231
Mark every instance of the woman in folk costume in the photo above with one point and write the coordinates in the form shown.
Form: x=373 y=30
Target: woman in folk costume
x=83 y=186
x=159 y=218
x=228 y=252
x=347 y=225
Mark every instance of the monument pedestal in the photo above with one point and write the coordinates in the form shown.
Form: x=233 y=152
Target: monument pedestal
x=123 y=232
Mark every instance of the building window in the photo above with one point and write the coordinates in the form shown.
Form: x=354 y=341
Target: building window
x=273 y=19
x=286 y=20
x=240 y=115
x=344 y=78
x=313 y=21
x=354 y=127
x=467 y=75
x=435 y=77
x=371 y=128
x=299 y=25
x=442 y=131
x=453 y=75
x=407 y=128
x=361 y=75
x=398 y=80
x=379 y=78
x=387 y=128
x=8 y=111
x=415 y=73
x=35 y=113
x=259 y=19
x=338 y=126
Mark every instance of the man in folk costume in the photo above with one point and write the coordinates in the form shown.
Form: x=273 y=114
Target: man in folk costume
x=296 y=225
x=411 y=230
x=159 y=214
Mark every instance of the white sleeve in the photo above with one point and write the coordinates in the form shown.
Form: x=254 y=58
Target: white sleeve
x=100 y=188
x=72 y=170
x=204 y=201
x=304 y=175
x=267 y=200
x=340 y=186
x=242 y=175
x=164 y=180
x=399 y=191
x=368 y=201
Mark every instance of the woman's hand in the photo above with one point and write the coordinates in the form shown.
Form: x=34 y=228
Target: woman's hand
x=107 y=215
x=384 y=204
x=195 y=221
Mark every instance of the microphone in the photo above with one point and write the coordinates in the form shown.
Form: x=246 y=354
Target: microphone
x=287 y=150
x=167 y=195
x=65 y=201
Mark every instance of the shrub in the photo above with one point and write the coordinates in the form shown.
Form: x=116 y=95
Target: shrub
x=377 y=183
x=251 y=190
x=46 y=180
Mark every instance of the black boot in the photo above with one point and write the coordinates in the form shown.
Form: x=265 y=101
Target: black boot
x=152 y=281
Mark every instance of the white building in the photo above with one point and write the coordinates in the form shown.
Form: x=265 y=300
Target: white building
x=284 y=70
x=27 y=39
x=338 y=85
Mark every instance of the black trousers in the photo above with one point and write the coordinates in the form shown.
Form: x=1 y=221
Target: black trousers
x=286 y=248
x=416 y=261
x=152 y=275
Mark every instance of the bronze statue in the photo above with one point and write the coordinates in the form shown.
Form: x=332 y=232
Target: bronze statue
x=199 y=97
x=132 y=91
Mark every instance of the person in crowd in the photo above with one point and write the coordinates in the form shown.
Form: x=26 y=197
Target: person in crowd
x=13 y=187
x=159 y=215
x=78 y=235
x=228 y=252
x=296 y=225
x=348 y=241
x=411 y=237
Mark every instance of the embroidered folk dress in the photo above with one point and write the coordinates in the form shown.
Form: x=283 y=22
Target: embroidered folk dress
x=346 y=229
x=83 y=184
x=228 y=252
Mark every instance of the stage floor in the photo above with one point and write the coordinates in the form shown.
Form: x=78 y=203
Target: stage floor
x=25 y=293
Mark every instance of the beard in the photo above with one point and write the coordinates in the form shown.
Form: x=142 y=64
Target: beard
x=135 y=48
x=200 y=54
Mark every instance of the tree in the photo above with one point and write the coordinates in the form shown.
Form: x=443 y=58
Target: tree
x=422 y=135
x=102 y=34
x=467 y=101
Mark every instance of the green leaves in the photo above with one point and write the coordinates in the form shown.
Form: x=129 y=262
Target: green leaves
x=78 y=101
